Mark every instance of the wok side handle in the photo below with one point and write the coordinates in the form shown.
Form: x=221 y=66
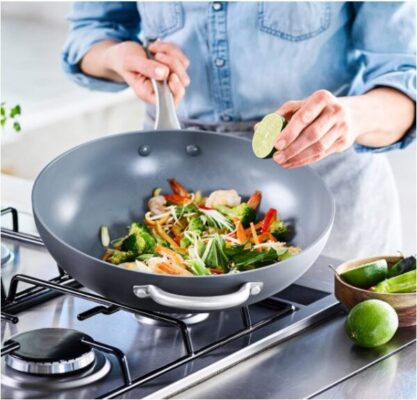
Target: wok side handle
x=198 y=303
x=166 y=116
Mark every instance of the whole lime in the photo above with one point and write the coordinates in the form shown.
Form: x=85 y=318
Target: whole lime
x=371 y=323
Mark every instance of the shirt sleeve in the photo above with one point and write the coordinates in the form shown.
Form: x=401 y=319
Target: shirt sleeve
x=90 y=23
x=384 y=41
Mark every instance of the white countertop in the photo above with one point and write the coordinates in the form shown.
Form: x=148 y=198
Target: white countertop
x=16 y=192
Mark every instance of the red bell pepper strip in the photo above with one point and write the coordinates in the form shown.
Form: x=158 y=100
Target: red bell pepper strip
x=270 y=217
x=177 y=188
x=205 y=208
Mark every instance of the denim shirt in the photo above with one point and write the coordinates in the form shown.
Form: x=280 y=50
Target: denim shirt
x=247 y=58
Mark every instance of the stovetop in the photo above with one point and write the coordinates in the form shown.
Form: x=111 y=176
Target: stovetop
x=150 y=355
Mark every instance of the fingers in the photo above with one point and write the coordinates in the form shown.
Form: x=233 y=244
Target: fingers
x=306 y=114
x=149 y=68
x=176 y=88
x=175 y=67
x=331 y=142
x=142 y=87
x=171 y=50
x=310 y=135
x=288 y=109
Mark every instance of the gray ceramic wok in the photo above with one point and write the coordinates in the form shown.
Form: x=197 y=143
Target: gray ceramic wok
x=107 y=181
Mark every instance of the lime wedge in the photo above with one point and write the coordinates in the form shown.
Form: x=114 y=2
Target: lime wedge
x=265 y=135
x=367 y=275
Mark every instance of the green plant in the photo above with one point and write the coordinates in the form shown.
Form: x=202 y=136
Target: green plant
x=10 y=114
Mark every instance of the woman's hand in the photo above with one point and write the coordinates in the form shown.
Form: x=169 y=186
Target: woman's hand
x=323 y=124
x=318 y=126
x=127 y=62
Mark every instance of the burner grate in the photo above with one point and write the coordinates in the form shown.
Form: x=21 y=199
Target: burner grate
x=41 y=290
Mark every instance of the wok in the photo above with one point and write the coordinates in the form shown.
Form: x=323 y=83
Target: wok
x=107 y=181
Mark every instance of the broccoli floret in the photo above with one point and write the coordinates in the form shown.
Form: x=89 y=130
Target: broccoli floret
x=134 y=243
x=139 y=228
x=243 y=211
x=119 y=257
x=278 y=229
x=195 y=225
x=145 y=242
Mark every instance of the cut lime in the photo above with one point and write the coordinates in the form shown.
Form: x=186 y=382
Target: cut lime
x=266 y=133
x=367 y=275
x=371 y=323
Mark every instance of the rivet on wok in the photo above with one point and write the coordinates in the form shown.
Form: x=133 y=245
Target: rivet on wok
x=144 y=150
x=255 y=290
x=192 y=150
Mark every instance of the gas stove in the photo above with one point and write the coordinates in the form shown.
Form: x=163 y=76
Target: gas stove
x=60 y=340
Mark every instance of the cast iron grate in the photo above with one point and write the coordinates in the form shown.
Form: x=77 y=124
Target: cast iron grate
x=42 y=290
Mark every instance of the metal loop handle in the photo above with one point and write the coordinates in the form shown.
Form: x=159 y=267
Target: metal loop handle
x=203 y=303
x=166 y=116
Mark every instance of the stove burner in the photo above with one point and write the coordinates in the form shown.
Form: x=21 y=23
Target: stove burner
x=50 y=351
x=189 y=319
x=6 y=255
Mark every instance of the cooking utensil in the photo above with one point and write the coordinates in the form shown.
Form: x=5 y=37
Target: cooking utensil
x=108 y=181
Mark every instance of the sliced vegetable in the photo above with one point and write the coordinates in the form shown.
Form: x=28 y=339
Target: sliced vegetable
x=270 y=217
x=404 y=265
x=265 y=135
x=278 y=229
x=214 y=253
x=183 y=234
x=404 y=283
x=104 y=235
x=367 y=275
x=156 y=192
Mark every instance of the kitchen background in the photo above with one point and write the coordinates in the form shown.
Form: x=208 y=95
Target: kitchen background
x=58 y=115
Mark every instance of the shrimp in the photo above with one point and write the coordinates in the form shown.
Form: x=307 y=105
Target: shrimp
x=228 y=198
x=156 y=204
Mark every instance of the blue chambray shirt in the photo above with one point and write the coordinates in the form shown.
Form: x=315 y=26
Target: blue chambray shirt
x=247 y=58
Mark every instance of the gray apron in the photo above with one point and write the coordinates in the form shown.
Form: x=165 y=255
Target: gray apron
x=368 y=220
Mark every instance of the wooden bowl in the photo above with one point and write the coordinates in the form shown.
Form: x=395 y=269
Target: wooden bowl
x=403 y=303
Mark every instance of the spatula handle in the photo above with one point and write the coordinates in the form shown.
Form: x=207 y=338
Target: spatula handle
x=166 y=116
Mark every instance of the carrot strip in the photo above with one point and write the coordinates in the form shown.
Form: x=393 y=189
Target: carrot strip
x=254 y=234
x=240 y=233
x=258 y=225
x=165 y=236
x=216 y=271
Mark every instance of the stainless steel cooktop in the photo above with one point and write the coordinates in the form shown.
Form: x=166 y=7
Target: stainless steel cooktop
x=128 y=353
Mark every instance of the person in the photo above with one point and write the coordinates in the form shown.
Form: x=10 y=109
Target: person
x=342 y=73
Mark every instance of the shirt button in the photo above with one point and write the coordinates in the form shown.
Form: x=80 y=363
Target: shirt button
x=219 y=62
x=217 y=6
x=226 y=117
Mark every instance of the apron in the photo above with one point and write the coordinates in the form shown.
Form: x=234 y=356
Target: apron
x=367 y=220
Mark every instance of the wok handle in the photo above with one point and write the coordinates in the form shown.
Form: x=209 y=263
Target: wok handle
x=198 y=303
x=166 y=116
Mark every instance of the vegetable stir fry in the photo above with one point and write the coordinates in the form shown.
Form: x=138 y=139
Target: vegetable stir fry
x=185 y=233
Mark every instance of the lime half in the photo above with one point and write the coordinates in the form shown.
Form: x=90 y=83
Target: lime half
x=367 y=275
x=265 y=135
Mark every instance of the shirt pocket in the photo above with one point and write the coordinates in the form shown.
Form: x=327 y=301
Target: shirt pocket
x=160 y=19
x=293 y=21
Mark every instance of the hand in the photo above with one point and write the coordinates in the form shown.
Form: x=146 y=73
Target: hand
x=318 y=126
x=128 y=62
